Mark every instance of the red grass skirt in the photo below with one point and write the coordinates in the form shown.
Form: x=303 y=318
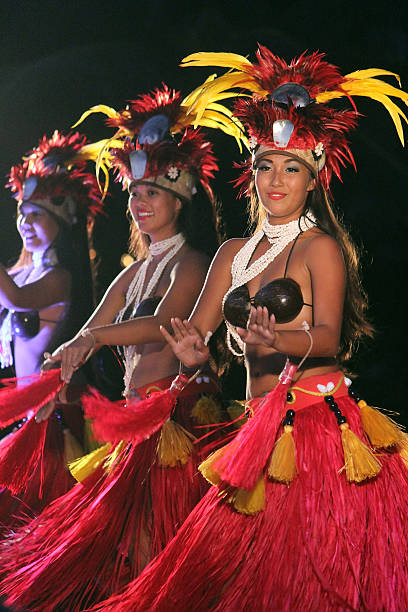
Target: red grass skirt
x=49 y=476
x=320 y=544
x=99 y=536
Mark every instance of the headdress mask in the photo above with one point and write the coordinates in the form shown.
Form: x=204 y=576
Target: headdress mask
x=288 y=110
x=53 y=176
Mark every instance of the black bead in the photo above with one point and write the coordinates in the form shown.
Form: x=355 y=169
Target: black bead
x=337 y=412
x=289 y=397
x=290 y=413
x=288 y=421
x=341 y=419
x=353 y=394
x=333 y=407
x=329 y=399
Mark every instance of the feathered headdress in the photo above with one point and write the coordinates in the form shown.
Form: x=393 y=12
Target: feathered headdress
x=53 y=175
x=155 y=143
x=288 y=109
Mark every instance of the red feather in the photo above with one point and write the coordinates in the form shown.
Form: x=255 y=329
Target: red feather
x=16 y=402
x=131 y=421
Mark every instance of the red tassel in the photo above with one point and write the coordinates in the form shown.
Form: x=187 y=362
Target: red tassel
x=246 y=456
x=21 y=455
x=133 y=421
x=17 y=401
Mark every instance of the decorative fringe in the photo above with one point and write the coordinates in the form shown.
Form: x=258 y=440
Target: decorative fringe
x=21 y=455
x=382 y=431
x=90 y=443
x=236 y=411
x=246 y=456
x=113 y=458
x=403 y=447
x=250 y=502
x=131 y=421
x=72 y=448
x=16 y=402
x=206 y=411
x=85 y=466
x=360 y=463
x=175 y=445
x=282 y=466
x=207 y=467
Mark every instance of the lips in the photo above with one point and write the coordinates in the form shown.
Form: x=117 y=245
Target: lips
x=275 y=195
x=144 y=213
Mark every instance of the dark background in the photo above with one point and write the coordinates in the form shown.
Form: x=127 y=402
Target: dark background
x=59 y=58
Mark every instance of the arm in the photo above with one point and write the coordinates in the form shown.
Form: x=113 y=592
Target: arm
x=53 y=287
x=187 y=340
x=325 y=265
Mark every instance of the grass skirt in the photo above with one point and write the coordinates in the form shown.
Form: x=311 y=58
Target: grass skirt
x=33 y=465
x=99 y=536
x=321 y=543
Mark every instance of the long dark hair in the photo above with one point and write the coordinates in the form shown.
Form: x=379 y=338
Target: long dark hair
x=71 y=250
x=199 y=221
x=355 y=325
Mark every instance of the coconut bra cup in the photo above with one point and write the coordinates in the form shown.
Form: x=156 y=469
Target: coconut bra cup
x=282 y=297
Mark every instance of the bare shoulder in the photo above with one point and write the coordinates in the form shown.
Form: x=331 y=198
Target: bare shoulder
x=229 y=249
x=121 y=283
x=321 y=249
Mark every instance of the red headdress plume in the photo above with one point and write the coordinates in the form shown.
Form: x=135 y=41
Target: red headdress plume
x=288 y=109
x=54 y=176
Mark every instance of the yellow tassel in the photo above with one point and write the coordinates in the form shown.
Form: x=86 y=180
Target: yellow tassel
x=206 y=411
x=85 y=466
x=72 y=448
x=113 y=457
x=90 y=443
x=175 y=446
x=206 y=467
x=250 y=502
x=382 y=431
x=403 y=447
x=235 y=411
x=282 y=466
x=360 y=462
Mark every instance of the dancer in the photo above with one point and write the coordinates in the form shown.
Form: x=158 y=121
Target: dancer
x=45 y=297
x=103 y=532
x=308 y=508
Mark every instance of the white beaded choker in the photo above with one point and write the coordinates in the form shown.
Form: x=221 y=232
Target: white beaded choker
x=136 y=294
x=279 y=236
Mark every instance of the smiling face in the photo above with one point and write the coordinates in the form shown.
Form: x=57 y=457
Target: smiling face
x=282 y=184
x=154 y=210
x=37 y=228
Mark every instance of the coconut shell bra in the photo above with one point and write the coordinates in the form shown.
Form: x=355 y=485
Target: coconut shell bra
x=282 y=297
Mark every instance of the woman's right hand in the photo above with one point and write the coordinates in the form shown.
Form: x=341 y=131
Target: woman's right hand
x=187 y=343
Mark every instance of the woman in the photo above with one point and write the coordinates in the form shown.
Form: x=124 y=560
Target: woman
x=308 y=508
x=45 y=296
x=102 y=533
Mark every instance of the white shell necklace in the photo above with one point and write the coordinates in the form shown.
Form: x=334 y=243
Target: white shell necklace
x=136 y=292
x=279 y=236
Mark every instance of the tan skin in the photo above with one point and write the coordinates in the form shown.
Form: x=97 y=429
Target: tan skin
x=155 y=211
x=282 y=185
x=48 y=293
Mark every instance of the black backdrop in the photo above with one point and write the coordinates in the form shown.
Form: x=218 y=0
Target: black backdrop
x=58 y=59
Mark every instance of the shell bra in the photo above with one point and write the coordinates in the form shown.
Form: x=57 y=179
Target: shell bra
x=282 y=297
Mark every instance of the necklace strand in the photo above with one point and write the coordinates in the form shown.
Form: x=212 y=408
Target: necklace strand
x=279 y=236
x=135 y=293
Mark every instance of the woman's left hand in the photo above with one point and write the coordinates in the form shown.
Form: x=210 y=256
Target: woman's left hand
x=261 y=328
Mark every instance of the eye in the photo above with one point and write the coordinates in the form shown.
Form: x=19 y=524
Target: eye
x=291 y=169
x=152 y=192
x=263 y=167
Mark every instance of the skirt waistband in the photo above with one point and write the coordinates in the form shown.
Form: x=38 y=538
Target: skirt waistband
x=205 y=383
x=310 y=390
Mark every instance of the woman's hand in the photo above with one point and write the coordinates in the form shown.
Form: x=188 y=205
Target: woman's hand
x=72 y=355
x=261 y=328
x=187 y=343
x=45 y=411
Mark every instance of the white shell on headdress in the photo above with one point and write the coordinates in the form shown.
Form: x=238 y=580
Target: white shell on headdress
x=138 y=162
x=29 y=187
x=282 y=131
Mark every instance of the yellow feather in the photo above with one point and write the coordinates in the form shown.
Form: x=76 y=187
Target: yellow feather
x=99 y=108
x=225 y=60
x=369 y=73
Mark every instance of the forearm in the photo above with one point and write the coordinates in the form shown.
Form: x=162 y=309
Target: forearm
x=137 y=331
x=297 y=342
